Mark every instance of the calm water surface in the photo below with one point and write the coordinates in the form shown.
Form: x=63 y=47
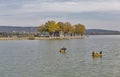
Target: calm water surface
x=41 y=58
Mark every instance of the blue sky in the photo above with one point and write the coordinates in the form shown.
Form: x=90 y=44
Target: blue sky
x=97 y=14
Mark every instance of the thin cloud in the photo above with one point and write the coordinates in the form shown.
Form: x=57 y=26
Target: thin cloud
x=59 y=6
x=80 y=6
x=92 y=13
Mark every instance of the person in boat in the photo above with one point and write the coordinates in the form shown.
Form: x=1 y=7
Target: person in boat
x=101 y=52
x=96 y=54
x=63 y=50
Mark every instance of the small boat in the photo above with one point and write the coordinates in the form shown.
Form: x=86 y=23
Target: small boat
x=63 y=50
x=96 y=54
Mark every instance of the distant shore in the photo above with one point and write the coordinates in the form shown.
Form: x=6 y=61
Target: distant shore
x=41 y=38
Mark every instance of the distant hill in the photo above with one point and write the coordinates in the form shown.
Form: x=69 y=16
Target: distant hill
x=17 y=29
x=34 y=29
x=101 y=31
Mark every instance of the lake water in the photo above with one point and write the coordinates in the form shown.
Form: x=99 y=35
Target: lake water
x=41 y=58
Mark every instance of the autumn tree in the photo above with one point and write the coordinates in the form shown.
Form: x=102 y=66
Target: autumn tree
x=52 y=27
x=41 y=28
x=61 y=25
x=66 y=28
x=80 y=29
x=72 y=30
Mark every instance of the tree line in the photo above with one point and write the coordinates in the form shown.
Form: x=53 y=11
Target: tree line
x=65 y=28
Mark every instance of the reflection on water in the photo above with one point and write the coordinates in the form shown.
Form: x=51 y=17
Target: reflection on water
x=41 y=58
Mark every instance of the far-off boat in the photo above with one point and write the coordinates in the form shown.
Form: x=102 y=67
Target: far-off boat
x=97 y=54
x=63 y=50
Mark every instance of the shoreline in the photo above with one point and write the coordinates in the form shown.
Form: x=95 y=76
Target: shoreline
x=42 y=38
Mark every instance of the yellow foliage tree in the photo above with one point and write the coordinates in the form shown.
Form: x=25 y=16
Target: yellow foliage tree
x=52 y=27
x=80 y=29
x=65 y=28
x=61 y=26
x=41 y=28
